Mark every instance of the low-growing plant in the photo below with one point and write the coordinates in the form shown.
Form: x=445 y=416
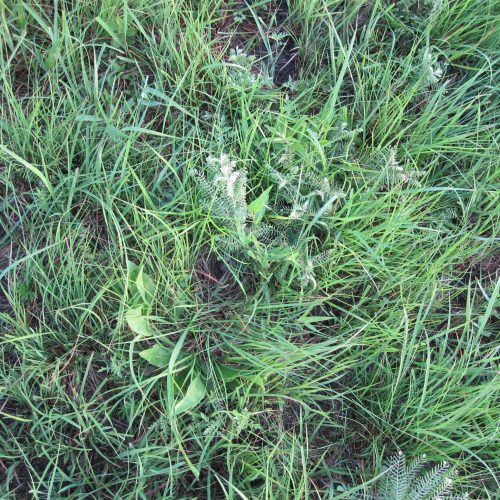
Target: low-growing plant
x=273 y=237
x=416 y=480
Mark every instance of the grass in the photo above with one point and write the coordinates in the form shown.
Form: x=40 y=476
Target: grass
x=140 y=359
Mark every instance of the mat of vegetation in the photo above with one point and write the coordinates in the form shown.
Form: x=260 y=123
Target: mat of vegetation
x=249 y=249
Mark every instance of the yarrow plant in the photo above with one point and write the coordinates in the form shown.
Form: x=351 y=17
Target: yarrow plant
x=275 y=243
x=393 y=171
x=243 y=71
x=224 y=191
x=414 y=11
x=434 y=70
x=416 y=480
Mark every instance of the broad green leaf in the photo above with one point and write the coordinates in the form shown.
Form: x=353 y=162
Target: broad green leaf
x=228 y=373
x=259 y=205
x=52 y=56
x=194 y=394
x=259 y=381
x=157 y=355
x=132 y=271
x=279 y=253
x=141 y=282
x=138 y=322
x=145 y=286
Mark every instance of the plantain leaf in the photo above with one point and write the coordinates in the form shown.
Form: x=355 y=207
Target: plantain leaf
x=157 y=356
x=259 y=205
x=138 y=322
x=194 y=394
x=228 y=373
x=145 y=286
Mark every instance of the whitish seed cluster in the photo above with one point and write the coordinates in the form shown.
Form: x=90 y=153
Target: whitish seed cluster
x=298 y=195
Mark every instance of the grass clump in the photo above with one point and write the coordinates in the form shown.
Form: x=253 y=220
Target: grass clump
x=275 y=321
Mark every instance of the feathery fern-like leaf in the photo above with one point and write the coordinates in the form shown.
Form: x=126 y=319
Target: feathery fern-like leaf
x=404 y=481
